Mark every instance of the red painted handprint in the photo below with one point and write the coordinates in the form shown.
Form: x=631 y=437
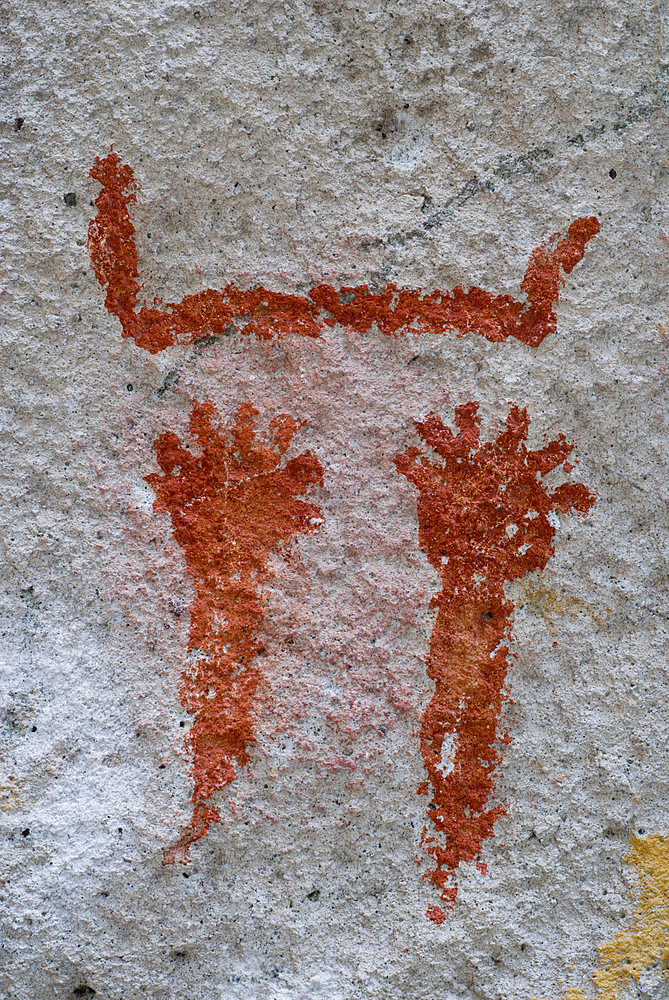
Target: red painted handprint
x=483 y=521
x=230 y=506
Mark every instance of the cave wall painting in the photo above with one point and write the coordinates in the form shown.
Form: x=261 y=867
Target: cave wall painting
x=483 y=515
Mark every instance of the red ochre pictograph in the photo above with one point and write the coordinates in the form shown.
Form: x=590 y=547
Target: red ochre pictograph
x=270 y=315
x=482 y=513
x=483 y=522
x=230 y=506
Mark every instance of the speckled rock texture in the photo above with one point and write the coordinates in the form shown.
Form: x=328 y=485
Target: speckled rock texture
x=197 y=648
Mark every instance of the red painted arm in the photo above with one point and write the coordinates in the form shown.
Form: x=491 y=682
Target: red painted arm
x=269 y=314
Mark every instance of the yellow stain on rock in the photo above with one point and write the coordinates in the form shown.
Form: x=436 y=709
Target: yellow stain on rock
x=550 y=605
x=646 y=943
x=11 y=798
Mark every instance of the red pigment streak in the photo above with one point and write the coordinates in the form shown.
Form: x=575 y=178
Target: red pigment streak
x=231 y=505
x=483 y=521
x=269 y=314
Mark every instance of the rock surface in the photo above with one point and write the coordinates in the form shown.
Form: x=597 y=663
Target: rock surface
x=281 y=149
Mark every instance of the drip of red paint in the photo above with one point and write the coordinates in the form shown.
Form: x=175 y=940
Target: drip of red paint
x=269 y=314
x=483 y=521
x=230 y=505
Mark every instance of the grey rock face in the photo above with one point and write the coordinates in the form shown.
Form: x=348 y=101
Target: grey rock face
x=427 y=145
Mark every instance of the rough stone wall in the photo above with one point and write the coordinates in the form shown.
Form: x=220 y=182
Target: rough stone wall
x=322 y=677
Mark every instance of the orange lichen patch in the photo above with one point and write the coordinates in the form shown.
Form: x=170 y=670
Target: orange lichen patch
x=231 y=505
x=544 y=601
x=645 y=944
x=269 y=314
x=483 y=521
